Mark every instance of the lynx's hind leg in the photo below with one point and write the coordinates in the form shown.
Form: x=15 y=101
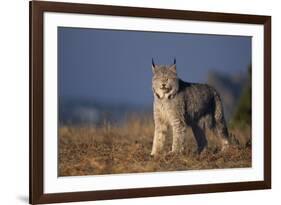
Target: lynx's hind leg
x=222 y=133
x=220 y=124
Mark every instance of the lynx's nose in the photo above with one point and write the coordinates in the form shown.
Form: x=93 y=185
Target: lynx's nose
x=163 y=85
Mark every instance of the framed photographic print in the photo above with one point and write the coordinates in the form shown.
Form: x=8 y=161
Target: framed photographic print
x=139 y=102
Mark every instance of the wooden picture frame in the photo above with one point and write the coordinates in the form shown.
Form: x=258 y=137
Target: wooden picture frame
x=37 y=9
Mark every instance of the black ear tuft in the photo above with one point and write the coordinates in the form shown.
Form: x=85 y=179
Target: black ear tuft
x=174 y=61
x=153 y=67
x=153 y=63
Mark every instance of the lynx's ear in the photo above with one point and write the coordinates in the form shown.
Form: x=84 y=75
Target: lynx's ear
x=153 y=67
x=173 y=68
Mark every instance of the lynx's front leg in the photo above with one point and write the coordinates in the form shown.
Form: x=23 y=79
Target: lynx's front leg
x=179 y=132
x=160 y=133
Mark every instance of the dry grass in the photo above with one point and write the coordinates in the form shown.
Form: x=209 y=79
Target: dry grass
x=125 y=149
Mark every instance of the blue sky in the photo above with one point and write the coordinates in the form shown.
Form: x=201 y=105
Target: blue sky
x=115 y=66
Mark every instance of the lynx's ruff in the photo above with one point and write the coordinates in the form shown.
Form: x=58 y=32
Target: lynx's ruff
x=180 y=104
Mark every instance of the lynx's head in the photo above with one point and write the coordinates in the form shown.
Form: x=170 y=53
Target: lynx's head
x=165 y=82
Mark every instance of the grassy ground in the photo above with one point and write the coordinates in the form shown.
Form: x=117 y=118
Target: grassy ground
x=108 y=149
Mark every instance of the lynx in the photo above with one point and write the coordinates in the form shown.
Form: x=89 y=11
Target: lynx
x=179 y=105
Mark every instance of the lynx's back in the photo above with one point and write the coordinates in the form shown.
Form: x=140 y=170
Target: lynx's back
x=199 y=99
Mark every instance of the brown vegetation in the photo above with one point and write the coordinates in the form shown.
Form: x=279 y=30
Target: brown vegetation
x=108 y=149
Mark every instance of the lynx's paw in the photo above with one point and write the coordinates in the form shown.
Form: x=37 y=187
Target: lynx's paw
x=225 y=145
